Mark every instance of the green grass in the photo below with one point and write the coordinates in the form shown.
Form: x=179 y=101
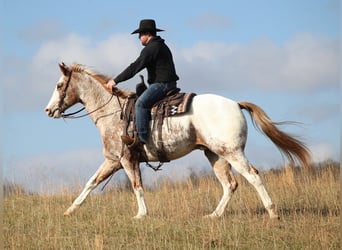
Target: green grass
x=308 y=204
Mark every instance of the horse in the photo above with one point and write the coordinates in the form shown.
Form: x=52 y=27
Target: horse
x=213 y=124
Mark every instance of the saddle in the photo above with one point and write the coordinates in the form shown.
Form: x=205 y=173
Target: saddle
x=175 y=103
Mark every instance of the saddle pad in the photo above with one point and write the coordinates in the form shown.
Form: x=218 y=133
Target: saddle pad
x=173 y=105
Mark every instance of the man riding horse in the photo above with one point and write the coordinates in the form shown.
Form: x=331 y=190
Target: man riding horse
x=214 y=124
x=156 y=57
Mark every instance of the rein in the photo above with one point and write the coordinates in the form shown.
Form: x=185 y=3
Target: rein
x=71 y=115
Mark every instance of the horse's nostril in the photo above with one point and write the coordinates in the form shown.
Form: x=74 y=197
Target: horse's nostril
x=48 y=111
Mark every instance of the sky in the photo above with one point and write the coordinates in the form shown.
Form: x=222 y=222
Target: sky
x=280 y=55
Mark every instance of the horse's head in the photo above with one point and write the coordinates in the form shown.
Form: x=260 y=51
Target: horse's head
x=77 y=84
x=65 y=94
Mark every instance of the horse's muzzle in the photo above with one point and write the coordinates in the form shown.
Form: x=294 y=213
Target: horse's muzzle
x=54 y=113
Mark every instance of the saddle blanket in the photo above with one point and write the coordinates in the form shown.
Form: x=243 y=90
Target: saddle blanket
x=172 y=105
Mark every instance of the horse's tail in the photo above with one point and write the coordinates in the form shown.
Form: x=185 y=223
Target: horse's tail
x=290 y=146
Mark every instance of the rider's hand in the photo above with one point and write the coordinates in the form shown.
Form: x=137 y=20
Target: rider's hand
x=110 y=84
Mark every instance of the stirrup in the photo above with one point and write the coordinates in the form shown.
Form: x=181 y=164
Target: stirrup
x=134 y=144
x=134 y=141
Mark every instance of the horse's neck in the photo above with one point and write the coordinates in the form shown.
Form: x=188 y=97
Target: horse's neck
x=94 y=97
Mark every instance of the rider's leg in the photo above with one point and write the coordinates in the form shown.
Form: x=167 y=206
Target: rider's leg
x=154 y=93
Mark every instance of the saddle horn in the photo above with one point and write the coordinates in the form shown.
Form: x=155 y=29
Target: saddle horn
x=140 y=87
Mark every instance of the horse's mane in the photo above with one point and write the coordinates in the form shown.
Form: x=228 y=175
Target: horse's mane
x=101 y=78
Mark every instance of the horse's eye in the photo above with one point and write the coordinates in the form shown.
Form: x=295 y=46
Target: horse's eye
x=59 y=85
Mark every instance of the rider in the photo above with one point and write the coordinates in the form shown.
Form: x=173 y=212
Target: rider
x=156 y=57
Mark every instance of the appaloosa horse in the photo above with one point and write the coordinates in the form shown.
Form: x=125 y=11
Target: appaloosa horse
x=213 y=124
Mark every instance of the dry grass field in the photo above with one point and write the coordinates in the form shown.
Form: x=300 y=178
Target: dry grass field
x=308 y=203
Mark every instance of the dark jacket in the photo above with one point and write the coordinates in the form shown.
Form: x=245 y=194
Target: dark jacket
x=157 y=58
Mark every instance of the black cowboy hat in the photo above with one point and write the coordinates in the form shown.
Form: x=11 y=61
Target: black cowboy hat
x=146 y=25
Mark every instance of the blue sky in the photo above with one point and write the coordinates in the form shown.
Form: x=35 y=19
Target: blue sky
x=281 y=55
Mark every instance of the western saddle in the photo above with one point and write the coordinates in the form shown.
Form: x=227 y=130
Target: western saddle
x=173 y=104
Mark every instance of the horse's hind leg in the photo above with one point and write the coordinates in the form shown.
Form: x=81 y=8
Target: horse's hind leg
x=107 y=168
x=229 y=184
x=246 y=169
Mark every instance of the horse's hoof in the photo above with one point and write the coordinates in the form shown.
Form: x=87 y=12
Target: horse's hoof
x=211 y=216
x=138 y=217
x=67 y=212
x=275 y=217
x=273 y=212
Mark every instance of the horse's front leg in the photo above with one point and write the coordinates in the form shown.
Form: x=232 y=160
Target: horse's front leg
x=107 y=168
x=133 y=172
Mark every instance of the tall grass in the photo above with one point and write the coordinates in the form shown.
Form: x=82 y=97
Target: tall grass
x=308 y=203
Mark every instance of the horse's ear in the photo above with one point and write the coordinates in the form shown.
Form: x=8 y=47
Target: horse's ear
x=65 y=70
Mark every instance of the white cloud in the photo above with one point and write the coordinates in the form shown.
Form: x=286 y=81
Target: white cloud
x=115 y=52
x=311 y=62
x=305 y=63
x=37 y=78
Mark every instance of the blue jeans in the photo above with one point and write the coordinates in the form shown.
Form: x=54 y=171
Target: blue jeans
x=154 y=93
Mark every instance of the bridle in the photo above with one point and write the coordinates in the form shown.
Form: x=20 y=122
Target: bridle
x=71 y=115
x=63 y=93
